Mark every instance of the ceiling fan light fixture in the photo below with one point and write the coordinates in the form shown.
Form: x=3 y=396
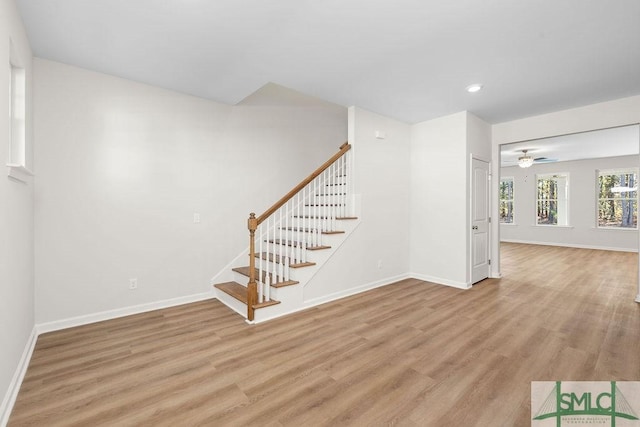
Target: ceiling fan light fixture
x=525 y=161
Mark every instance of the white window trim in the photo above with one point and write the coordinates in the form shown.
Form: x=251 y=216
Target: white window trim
x=513 y=183
x=19 y=172
x=535 y=207
x=17 y=142
x=614 y=171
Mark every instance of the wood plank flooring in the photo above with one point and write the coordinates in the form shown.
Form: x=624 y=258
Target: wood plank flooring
x=408 y=354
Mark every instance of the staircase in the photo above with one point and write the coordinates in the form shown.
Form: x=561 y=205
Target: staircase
x=290 y=241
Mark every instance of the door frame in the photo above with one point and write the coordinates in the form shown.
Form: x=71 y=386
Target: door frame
x=490 y=197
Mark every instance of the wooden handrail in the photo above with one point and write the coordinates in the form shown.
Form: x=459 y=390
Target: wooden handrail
x=343 y=149
x=253 y=223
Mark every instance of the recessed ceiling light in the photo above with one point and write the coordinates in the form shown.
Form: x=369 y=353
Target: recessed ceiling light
x=474 y=88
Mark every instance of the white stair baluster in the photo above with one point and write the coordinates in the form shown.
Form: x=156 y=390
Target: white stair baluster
x=286 y=261
x=344 y=187
x=339 y=192
x=265 y=273
x=312 y=217
x=299 y=226
x=327 y=214
x=281 y=248
x=333 y=203
x=259 y=279
x=272 y=263
x=315 y=212
x=304 y=234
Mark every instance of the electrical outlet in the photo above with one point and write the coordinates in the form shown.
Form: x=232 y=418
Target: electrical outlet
x=133 y=284
x=196 y=218
x=379 y=264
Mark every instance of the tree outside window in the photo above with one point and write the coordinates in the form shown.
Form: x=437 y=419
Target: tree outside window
x=553 y=199
x=618 y=199
x=506 y=200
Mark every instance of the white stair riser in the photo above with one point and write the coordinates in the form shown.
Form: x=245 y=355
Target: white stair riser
x=329 y=198
x=304 y=222
x=234 y=304
x=325 y=211
x=312 y=239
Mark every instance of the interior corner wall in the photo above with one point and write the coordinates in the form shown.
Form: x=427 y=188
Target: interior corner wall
x=439 y=200
x=582 y=230
x=16 y=218
x=122 y=168
x=377 y=252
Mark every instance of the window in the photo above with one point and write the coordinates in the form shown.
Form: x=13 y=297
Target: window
x=618 y=198
x=17 y=141
x=506 y=200
x=18 y=113
x=553 y=199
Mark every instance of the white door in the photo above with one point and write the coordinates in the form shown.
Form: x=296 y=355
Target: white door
x=479 y=220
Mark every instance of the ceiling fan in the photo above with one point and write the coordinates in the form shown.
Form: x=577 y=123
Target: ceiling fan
x=526 y=160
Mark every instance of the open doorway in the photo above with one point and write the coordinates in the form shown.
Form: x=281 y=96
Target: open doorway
x=577 y=190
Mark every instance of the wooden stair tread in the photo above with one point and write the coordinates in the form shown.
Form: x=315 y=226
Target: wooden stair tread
x=310 y=230
x=302 y=264
x=245 y=272
x=234 y=289
x=265 y=304
x=295 y=244
x=239 y=292
x=271 y=257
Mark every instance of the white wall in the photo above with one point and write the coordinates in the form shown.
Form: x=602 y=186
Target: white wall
x=620 y=112
x=478 y=137
x=582 y=231
x=441 y=151
x=439 y=176
x=16 y=219
x=123 y=167
x=382 y=184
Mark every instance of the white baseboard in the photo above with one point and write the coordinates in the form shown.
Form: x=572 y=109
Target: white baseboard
x=338 y=295
x=440 y=281
x=352 y=291
x=121 y=312
x=570 y=245
x=14 y=387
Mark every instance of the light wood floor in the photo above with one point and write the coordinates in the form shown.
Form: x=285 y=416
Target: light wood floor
x=408 y=354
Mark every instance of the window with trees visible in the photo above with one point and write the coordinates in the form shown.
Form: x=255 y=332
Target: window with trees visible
x=506 y=200
x=618 y=198
x=553 y=199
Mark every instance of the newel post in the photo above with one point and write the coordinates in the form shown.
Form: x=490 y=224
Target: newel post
x=252 y=287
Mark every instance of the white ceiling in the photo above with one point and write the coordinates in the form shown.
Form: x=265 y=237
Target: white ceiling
x=408 y=59
x=620 y=141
